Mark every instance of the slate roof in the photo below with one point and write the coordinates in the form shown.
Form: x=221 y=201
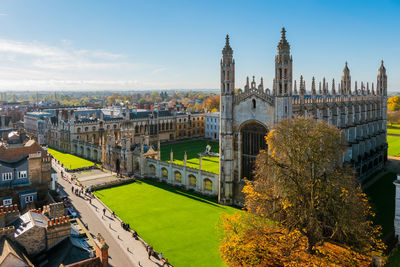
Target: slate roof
x=10 y=249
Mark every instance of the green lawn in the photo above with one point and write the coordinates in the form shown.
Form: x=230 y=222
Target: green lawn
x=180 y=225
x=394 y=129
x=394 y=258
x=70 y=161
x=394 y=145
x=192 y=148
x=382 y=199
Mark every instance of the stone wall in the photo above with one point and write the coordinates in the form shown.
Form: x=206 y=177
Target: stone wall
x=8 y=232
x=57 y=230
x=8 y=214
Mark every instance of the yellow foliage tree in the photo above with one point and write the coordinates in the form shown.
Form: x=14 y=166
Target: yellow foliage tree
x=251 y=240
x=393 y=103
x=303 y=186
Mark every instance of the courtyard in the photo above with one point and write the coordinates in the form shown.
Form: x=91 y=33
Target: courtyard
x=181 y=225
x=192 y=148
x=70 y=161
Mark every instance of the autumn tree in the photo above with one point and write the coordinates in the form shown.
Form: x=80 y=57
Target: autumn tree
x=304 y=185
x=212 y=102
x=303 y=188
x=393 y=103
x=393 y=117
x=251 y=240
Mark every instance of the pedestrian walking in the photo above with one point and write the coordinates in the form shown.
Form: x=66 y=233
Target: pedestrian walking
x=90 y=201
x=72 y=188
x=104 y=211
x=113 y=214
x=166 y=263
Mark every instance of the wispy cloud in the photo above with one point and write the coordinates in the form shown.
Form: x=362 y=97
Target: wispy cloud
x=27 y=65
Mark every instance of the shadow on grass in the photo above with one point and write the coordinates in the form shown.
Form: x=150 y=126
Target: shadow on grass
x=169 y=188
x=381 y=196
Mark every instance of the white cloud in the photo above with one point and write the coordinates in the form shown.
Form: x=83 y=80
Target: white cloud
x=34 y=65
x=38 y=66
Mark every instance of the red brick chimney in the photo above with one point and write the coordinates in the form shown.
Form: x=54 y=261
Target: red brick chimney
x=101 y=249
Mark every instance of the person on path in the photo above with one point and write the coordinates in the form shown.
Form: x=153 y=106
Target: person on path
x=166 y=263
x=113 y=214
x=134 y=235
x=72 y=188
x=90 y=201
x=104 y=211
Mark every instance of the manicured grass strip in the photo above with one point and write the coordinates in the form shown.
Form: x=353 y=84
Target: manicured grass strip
x=192 y=148
x=394 y=129
x=382 y=199
x=180 y=225
x=394 y=145
x=70 y=161
x=394 y=258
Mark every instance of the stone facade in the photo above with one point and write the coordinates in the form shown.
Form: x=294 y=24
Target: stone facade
x=247 y=114
x=25 y=174
x=212 y=125
x=106 y=136
x=35 y=232
x=198 y=180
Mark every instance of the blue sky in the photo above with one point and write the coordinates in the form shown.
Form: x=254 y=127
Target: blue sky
x=162 y=44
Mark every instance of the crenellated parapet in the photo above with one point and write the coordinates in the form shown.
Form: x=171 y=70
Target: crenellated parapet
x=57 y=230
x=54 y=210
x=7 y=231
x=8 y=214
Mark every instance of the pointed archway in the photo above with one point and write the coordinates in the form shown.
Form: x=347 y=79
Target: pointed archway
x=253 y=140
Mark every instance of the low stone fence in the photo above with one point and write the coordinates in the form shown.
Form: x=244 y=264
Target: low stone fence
x=120 y=181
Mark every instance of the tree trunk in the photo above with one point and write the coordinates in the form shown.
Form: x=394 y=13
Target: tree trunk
x=311 y=245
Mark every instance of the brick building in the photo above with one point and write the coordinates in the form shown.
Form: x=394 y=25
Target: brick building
x=25 y=174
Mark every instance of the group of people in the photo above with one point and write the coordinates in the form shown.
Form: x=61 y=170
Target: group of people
x=80 y=190
x=151 y=252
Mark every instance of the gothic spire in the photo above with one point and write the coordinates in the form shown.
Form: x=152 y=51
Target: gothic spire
x=382 y=69
x=283 y=46
x=346 y=68
x=313 y=86
x=227 y=49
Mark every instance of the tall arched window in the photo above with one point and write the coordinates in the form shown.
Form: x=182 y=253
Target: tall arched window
x=208 y=185
x=254 y=103
x=192 y=180
x=178 y=176
x=164 y=173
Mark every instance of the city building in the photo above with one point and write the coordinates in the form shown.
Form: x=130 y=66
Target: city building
x=35 y=124
x=212 y=125
x=248 y=114
x=48 y=238
x=100 y=134
x=25 y=174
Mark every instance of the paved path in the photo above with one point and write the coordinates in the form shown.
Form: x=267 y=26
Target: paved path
x=124 y=250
